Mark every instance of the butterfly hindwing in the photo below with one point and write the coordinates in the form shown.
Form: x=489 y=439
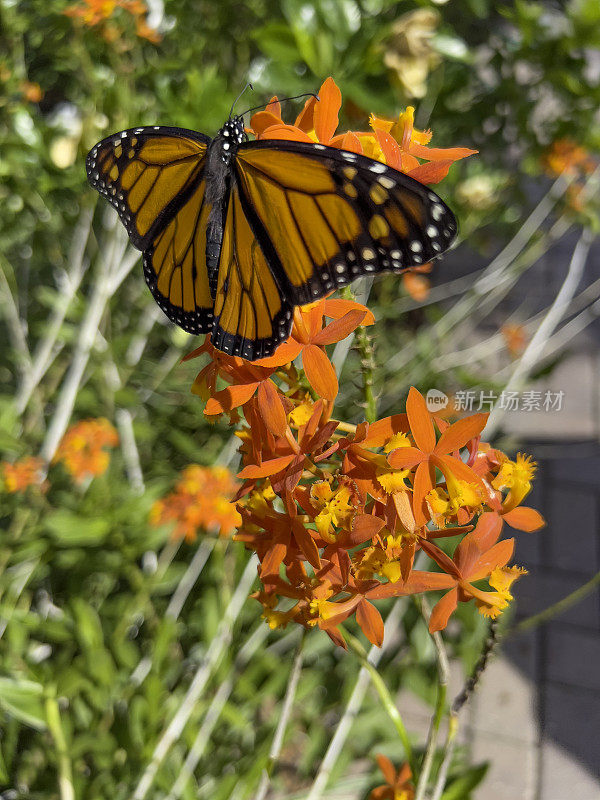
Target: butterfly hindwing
x=147 y=174
x=325 y=216
x=175 y=266
x=252 y=316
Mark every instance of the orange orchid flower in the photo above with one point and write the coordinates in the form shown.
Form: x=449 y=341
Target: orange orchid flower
x=477 y=557
x=398 y=784
x=309 y=338
x=429 y=453
x=397 y=143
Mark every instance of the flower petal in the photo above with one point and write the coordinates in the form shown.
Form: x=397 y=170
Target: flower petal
x=432 y=172
x=422 y=485
x=440 y=153
x=306 y=543
x=271 y=467
x=272 y=560
x=305 y=119
x=274 y=106
x=326 y=110
x=364 y=527
x=418 y=581
x=488 y=530
x=497 y=556
x=459 y=433
x=417 y=286
x=263 y=120
x=369 y=619
x=388 y=769
x=320 y=372
x=336 y=307
x=382 y=431
x=390 y=149
x=229 y=398
x=287 y=132
x=443 y=610
x=271 y=408
x=441 y=559
x=419 y=420
x=351 y=143
x=284 y=354
x=403 y=457
x=458 y=468
x=524 y=519
x=404 y=510
x=339 y=329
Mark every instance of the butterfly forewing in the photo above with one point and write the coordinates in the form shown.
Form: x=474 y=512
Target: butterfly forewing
x=146 y=174
x=330 y=215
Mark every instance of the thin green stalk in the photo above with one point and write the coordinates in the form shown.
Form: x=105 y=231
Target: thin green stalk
x=385 y=697
x=459 y=701
x=440 y=704
x=555 y=609
x=65 y=772
x=364 y=347
x=284 y=719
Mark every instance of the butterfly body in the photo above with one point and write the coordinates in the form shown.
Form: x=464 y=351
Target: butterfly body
x=236 y=233
x=219 y=155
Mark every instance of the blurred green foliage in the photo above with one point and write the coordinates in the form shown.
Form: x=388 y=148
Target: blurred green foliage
x=82 y=599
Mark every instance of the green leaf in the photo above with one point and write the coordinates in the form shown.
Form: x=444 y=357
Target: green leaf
x=23 y=700
x=461 y=787
x=69 y=529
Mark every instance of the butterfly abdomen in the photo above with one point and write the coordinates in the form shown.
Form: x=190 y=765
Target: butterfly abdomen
x=218 y=185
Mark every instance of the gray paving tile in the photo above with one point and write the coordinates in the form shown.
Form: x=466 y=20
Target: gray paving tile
x=504 y=704
x=562 y=776
x=572 y=540
x=571 y=722
x=512 y=770
x=539 y=590
x=574 y=658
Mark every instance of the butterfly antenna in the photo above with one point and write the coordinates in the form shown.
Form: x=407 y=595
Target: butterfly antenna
x=238 y=97
x=283 y=100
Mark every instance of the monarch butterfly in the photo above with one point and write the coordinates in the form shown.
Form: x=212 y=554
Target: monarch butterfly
x=236 y=233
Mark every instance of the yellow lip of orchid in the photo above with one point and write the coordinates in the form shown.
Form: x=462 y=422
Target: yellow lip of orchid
x=516 y=476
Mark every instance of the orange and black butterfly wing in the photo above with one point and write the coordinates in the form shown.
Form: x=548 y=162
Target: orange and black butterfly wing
x=175 y=265
x=324 y=217
x=154 y=178
x=252 y=314
x=147 y=174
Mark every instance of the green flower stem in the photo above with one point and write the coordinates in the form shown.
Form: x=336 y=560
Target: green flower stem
x=284 y=719
x=65 y=772
x=385 y=697
x=440 y=704
x=459 y=701
x=367 y=368
x=364 y=348
x=555 y=609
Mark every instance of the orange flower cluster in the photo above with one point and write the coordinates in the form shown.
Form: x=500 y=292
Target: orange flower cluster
x=32 y=92
x=398 y=784
x=83 y=449
x=396 y=143
x=566 y=157
x=96 y=12
x=335 y=512
x=200 y=501
x=25 y=472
